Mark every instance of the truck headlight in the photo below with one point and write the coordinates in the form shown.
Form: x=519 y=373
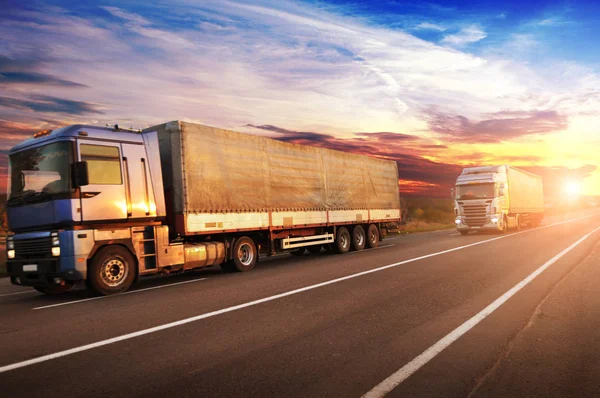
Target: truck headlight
x=458 y=221
x=10 y=253
x=56 y=251
x=494 y=220
x=10 y=243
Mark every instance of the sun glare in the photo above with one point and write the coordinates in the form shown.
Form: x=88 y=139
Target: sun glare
x=573 y=188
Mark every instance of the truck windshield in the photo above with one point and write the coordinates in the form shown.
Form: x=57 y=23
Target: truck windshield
x=475 y=191
x=37 y=174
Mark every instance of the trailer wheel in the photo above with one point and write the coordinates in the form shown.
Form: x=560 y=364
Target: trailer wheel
x=244 y=254
x=342 y=241
x=372 y=236
x=359 y=238
x=56 y=289
x=111 y=271
x=518 y=222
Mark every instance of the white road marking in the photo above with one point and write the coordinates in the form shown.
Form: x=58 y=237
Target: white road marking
x=12 y=294
x=454 y=235
x=117 y=295
x=417 y=363
x=170 y=325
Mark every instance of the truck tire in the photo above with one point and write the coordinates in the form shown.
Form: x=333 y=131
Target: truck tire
x=464 y=233
x=245 y=254
x=372 y=236
x=112 y=270
x=56 y=289
x=359 y=238
x=504 y=225
x=342 y=241
x=518 y=222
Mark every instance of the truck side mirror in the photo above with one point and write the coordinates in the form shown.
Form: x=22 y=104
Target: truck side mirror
x=501 y=190
x=453 y=193
x=80 y=174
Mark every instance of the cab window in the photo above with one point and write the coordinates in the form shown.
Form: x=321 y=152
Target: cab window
x=104 y=164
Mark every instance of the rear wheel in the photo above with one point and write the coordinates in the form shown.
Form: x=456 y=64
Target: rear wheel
x=372 y=236
x=342 y=241
x=245 y=254
x=112 y=270
x=359 y=238
x=464 y=233
x=56 y=289
x=518 y=222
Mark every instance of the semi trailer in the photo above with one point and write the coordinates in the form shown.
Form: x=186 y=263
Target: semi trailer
x=497 y=198
x=109 y=205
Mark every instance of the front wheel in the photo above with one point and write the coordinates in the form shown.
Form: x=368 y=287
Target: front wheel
x=504 y=225
x=245 y=254
x=55 y=289
x=112 y=270
x=464 y=233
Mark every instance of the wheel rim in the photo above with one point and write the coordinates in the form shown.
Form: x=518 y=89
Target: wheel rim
x=360 y=238
x=114 y=271
x=245 y=254
x=344 y=241
x=373 y=235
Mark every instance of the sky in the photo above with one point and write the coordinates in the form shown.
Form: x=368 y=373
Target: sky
x=435 y=86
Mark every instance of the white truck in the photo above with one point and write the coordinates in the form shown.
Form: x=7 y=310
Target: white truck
x=497 y=198
x=107 y=206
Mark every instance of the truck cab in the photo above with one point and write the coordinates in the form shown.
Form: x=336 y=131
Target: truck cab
x=481 y=199
x=496 y=198
x=70 y=192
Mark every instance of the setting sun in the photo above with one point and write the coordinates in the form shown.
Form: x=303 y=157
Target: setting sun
x=573 y=188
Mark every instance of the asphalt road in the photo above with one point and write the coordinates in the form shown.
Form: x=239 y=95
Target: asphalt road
x=432 y=314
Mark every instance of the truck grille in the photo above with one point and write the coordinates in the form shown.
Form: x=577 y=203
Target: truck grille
x=475 y=215
x=33 y=248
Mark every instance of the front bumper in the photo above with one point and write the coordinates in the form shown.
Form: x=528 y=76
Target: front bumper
x=47 y=272
x=488 y=226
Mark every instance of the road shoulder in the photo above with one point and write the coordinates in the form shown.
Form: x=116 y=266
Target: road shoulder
x=558 y=352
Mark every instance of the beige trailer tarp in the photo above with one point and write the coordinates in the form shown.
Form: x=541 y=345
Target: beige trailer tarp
x=211 y=170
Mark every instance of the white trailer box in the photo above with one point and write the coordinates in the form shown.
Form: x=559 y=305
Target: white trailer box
x=525 y=191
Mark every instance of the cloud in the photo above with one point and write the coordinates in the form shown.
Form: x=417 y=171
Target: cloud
x=161 y=38
x=467 y=35
x=11 y=133
x=35 y=78
x=501 y=126
x=27 y=71
x=48 y=104
x=429 y=26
